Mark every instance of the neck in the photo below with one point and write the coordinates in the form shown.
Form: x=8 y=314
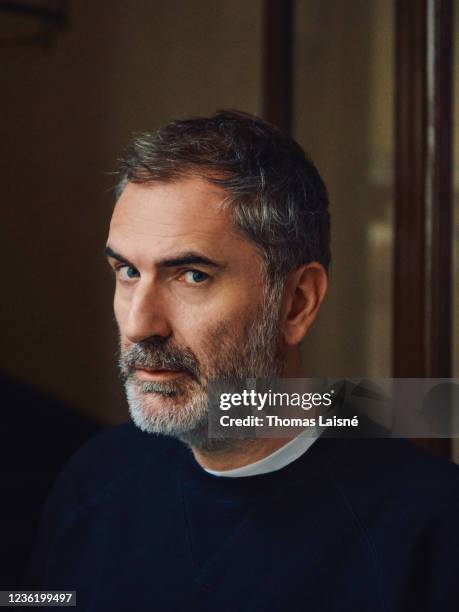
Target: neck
x=245 y=452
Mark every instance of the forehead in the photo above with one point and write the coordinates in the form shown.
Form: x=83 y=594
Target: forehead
x=160 y=218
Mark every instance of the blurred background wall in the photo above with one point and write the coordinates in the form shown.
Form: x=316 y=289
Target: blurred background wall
x=343 y=116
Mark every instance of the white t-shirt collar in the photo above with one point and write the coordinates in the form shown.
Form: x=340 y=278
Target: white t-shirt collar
x=275 y=461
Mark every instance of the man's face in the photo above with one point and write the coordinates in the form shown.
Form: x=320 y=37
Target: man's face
x=190 y=303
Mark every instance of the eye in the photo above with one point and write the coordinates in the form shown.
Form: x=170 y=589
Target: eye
x=126 y=273
x=194 y=277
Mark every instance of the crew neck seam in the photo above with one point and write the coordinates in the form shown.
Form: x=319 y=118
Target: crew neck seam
x=370 y=546
x=251 y=510
x=233 y=488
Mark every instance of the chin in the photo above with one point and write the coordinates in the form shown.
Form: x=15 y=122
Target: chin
x=172 y=414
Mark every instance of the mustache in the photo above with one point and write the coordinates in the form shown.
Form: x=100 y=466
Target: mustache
x=154 y=356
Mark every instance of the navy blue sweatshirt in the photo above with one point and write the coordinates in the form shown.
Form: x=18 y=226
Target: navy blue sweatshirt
x=354 y=525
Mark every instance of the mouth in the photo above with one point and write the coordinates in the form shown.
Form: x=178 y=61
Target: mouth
x=159 y=374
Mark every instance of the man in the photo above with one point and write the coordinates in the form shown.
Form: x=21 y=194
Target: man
x=219 y=243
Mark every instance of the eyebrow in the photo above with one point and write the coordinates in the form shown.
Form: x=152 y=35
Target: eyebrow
x=182 y=259
x=109 y=252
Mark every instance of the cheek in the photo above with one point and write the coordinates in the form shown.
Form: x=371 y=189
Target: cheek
x=119 y=309
x=220 y=339
x=228 y=303
x=121 y=312
x=209 y=325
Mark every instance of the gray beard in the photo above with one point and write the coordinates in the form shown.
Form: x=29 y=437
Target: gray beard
x=255 y=355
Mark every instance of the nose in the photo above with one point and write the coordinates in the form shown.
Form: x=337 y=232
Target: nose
x=146 y=315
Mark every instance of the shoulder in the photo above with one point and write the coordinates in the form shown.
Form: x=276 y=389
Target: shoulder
x=118 y=448
x=405 y=462
x=376 y=471
x=106 y=462
x=405 y=503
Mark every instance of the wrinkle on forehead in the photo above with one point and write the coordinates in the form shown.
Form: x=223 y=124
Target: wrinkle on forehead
x=187 y=205
x=160 y=230
x=182 y=214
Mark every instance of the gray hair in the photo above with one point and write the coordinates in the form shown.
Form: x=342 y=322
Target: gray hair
x=278 y=199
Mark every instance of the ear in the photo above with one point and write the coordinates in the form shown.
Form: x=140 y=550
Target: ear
x=305 y=289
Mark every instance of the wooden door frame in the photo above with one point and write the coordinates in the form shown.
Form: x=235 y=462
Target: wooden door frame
x=422 y=289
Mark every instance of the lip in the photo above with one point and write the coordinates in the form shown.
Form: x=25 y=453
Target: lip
x=146 y=374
